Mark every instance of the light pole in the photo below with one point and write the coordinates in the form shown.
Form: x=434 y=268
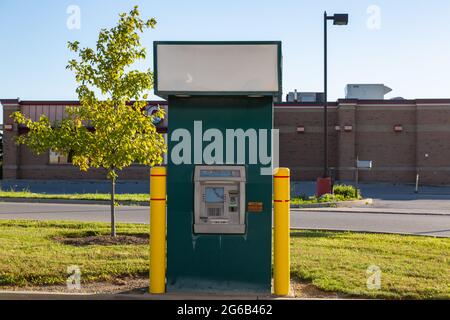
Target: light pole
x=340 y=20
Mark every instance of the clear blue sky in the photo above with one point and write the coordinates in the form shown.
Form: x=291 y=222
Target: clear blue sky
x=410 y=52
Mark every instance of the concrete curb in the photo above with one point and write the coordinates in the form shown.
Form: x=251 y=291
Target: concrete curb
x=380 y=211
x=70 y=201
x=338 y=204
x=42 y=295
x=370 y=232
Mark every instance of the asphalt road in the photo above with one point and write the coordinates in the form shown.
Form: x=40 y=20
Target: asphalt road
x=75 y=212
x=431 y=225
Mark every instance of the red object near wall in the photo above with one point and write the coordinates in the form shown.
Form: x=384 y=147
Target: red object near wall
x=323 y=186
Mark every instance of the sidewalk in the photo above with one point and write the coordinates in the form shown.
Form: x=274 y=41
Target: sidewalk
x=388 y=198
x=379 y=190
x=369 y=190
x=35 y=295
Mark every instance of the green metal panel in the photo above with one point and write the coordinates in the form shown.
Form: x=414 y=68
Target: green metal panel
x=211 y=262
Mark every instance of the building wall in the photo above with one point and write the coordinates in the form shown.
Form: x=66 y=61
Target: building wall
x=433 y=142
x=20 y=163
x=346 y=141
x=423 y=147
x=303 y=152
x=393 y=153
x=10 y=149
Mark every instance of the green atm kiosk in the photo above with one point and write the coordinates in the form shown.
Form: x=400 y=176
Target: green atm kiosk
x=219 y=183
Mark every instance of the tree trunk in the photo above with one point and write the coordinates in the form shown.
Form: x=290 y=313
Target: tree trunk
x=113 y=207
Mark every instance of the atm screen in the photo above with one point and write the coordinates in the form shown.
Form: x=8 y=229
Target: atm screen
x=214 y=195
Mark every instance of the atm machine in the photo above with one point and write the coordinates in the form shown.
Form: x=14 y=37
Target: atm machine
x=219 y=203
x=219 y=215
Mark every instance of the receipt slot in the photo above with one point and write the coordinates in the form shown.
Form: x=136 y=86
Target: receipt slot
x=219 y=200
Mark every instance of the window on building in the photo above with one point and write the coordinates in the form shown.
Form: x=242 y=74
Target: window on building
x=59 y=158
x=165 y=154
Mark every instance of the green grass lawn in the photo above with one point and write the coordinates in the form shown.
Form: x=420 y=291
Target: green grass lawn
x=323 y=199
x=342 y=193
x=412 y=267
x=30 y=256
x=133 y=197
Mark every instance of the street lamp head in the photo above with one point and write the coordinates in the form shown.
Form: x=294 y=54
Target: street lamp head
x=340 y=19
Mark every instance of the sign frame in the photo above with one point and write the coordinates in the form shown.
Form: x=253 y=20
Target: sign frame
x=165 y=94
x=364 y=164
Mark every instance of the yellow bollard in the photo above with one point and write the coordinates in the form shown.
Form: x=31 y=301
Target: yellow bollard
x=158 y=230
x=282 y=232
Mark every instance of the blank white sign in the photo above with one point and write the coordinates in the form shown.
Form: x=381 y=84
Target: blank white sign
x=190 y=68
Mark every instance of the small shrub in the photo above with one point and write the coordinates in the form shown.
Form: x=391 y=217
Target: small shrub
x=346 y=192
x=303 y=197
x=327 y=198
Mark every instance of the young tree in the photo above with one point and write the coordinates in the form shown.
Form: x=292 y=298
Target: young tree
x=109 y=131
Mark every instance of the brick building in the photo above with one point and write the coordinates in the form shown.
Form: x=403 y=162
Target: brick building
x=402 y=138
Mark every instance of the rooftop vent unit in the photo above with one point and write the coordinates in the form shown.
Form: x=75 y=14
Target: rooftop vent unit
x=366 y=91
x=398 y=98
x=313 y=97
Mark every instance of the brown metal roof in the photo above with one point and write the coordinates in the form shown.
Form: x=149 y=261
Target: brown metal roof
x=281 y=104
x=58 y=102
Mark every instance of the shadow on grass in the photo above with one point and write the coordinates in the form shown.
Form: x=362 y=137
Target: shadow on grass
x=304 y=288
x=105 y=240
x=90 y=237
x=313 y=234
